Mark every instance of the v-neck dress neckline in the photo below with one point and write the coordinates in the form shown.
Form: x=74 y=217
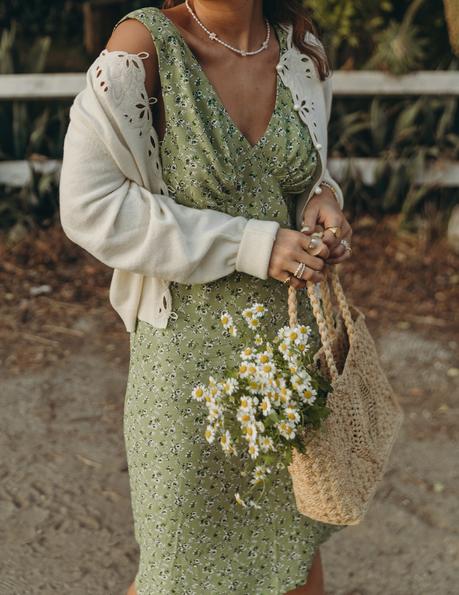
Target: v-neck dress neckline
x=223 y=110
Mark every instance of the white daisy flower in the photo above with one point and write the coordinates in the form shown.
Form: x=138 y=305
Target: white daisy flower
x=252 y=369
x=260 y=426
x=254 y=387
x=251 y=432
x=302 y=346
x=265 y=406
x=209 y=399
x=225 y=441
x=275 y=398
x=243 y=370
x=286 y=430
x=246 y=403
x=291 y=336
x=264 y=357
x=258 y=309
x=309 y=395
x=232 y=330
x=297 y=382
x=283 y=347
x=253 y=323
x=305 y=330
x=282 y=332
x=266 y=443
x=258 y=339
x=253 y=450
x=268 y=370
x=248 y=353
x=245 y=417
x=199 y=392
x=293 y=366
x=259 y=474
x=248 y=314
x=226 y=319
x=230 y=385
x=292 y=415
x=214 y=412
x=210 y=434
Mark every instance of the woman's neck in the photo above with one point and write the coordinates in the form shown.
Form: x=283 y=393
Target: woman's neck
x=240 y=22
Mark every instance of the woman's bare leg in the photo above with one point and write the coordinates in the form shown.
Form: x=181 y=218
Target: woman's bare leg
x=315 y=582
x=313 y=586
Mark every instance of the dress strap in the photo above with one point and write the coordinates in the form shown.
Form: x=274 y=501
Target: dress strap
x=165 y=37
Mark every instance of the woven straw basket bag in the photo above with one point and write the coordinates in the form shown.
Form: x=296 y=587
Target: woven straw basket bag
x=346 y=458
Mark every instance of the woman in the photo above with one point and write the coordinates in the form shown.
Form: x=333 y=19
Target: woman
x=233 y=145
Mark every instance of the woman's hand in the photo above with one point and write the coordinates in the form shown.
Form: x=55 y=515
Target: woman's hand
x=324 y=210
x=290 y=249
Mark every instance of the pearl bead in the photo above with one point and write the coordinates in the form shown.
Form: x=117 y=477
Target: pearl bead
x=318 y=146
x=296 y=106
x=318 y=190
x=278 y=67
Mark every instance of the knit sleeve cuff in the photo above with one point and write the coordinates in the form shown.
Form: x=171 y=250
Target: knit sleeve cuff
x=256 y=246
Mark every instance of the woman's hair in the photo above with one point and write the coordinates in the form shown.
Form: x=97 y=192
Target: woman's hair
x=294 y=13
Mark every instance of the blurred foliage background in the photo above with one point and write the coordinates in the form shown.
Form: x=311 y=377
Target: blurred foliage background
x=397 y=37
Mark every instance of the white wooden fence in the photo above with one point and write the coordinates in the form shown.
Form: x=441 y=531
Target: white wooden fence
x=345 y=83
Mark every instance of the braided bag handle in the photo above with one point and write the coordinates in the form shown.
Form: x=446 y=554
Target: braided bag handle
x=324 y=313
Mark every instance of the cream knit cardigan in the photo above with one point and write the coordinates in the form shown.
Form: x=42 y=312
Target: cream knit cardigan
x=115 y=204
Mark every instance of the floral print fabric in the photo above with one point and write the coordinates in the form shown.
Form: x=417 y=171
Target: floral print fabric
x=193 y=537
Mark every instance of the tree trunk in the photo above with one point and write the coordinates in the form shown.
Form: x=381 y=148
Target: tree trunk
x=100 y=17
x=452 y=18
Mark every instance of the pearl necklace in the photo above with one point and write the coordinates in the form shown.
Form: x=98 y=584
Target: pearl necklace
x=213 y=36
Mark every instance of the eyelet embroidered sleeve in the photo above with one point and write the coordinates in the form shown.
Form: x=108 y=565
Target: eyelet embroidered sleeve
x=115 y=204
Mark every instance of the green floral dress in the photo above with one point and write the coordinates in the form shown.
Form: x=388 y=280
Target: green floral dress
x=193 y=537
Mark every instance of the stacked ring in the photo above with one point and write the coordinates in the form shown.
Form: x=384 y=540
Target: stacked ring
x=300 y=270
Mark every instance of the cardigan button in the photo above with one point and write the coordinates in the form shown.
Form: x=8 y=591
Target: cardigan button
x=296 y=106
x=278 y=67
x=318 y=146
x=318 y=190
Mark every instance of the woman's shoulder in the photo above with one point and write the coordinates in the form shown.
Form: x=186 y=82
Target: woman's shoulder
x=131 y=35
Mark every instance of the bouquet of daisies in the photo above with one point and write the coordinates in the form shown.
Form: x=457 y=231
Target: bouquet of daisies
x=268 y=404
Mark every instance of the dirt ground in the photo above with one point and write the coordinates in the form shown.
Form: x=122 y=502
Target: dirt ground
x=65 y=516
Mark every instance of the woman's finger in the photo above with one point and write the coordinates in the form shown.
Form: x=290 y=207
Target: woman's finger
x=333 y=220
x=347 y=254
x=310 y=273
x=316 y=247
x=310 y=216
x=340 y=254
x=313 y=262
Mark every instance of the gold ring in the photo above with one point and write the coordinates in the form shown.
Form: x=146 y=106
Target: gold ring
x=336 y=231
x=300 y=270
x=287 y=281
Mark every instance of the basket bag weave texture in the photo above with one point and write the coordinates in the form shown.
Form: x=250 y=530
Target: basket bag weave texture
x=346 y=458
